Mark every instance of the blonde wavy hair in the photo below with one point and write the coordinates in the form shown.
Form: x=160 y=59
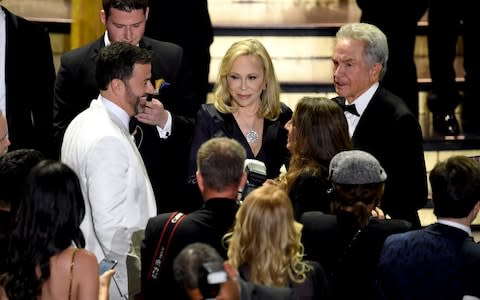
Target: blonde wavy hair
x=266 y=238
x=270 y=106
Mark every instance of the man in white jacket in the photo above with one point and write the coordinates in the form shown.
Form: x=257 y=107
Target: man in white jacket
x=98 y=146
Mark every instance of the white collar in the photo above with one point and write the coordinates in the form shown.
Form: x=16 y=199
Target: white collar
x=456 y=225
x=362 y=101
x=116 y=111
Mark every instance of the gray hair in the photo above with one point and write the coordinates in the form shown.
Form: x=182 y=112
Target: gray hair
x=375 y=42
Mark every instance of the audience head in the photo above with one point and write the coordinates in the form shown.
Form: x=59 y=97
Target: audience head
x=317 y=131
x=14 y=168
x=192 y=266
x=247 y=68
x=48 y=221
x=125 y=20
x=4 y=141
x=220 y=165
x=359 y=59
x=358 y=181
x=125 y=70
x=266 y=237
x=455 y=185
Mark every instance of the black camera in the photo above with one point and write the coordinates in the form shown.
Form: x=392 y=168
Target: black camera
x=256 y=176
x=212 y=275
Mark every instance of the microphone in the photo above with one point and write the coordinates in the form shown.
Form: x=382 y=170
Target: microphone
x=160 y=87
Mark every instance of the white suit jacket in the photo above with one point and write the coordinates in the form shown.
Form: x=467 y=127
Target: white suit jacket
x=118 y=195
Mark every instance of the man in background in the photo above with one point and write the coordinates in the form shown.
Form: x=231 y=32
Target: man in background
x=203 y=274
x=166 y=126
x=27 y=75
x=440 y=261
x=220 y=175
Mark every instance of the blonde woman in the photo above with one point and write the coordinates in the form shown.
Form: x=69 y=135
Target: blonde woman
x=265 y=245
x=246 y=107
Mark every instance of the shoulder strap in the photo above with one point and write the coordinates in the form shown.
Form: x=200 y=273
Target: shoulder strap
x=71 y=273
x=164 y=243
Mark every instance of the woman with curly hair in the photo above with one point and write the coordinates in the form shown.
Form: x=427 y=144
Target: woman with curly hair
x=317 y=131
x=43 y=259
x=265 y=245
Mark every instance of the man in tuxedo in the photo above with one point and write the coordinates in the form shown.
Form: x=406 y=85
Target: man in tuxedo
x=27 y=75
x=441 y=261
x=219 y=186
x=166 y=126
x=98 y=146
x=203 y=274
x=379 y=122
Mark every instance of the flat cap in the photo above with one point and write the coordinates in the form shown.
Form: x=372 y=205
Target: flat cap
x=356 y=167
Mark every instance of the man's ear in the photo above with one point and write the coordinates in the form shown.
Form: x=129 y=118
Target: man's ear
x=103 y=17
x=374 y=72
x=200 y=183
x=116 y=85
x=243 y=181
x=475 y=210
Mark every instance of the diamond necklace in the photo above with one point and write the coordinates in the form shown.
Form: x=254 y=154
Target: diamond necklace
x=252 y=136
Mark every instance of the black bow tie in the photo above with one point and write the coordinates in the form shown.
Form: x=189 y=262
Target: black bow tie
x=132 y=125
x=351 y=109
x=347 y=107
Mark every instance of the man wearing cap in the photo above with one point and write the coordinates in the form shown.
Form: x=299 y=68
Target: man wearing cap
x=348 y=243
x=440 y=261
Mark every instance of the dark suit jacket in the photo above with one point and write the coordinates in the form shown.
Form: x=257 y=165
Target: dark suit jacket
x=165 y=159
x=190 y=28
x=250 y=291
x=350 y=263
x=29 y=80
x=274 y=153
x=390 y=132
x=207 y=225
x=437 y=262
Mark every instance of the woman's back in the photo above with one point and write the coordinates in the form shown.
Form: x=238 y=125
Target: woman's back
x=75 y=268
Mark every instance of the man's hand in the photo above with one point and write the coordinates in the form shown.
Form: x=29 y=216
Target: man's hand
x=153 y=113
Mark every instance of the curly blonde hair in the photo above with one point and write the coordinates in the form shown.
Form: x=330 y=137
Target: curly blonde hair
x=267 y=239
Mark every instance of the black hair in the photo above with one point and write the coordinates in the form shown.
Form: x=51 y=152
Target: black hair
x=188 y=266
x=455 y=186
x=48 y=221
x=124 y=5
x=117 y=61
